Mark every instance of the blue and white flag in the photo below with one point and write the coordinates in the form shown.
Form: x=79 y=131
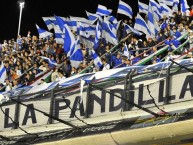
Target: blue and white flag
x=92 y=17
x=184 y=6
x=126 y=51
x=143 y=8
x=109 y=32
x=59 y=35
x=165 y=10
x=125 y=9
x=3 y=74
x=142 y=26
x=77 y=56
x=103 y=11
x=129 y=29
x=60 y=22
x=156 y=9
x=167 y=2
x=50 y=61
x=97 y=36
x=175 y=5
x=69 y=41
x=88 y=42
x=152 y=23
x=85 y=30
x=81 y=19
x=43 y=33
x=49 y=21
x=97 y=60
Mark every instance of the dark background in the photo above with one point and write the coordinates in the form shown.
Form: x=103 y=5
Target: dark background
x=34 y=10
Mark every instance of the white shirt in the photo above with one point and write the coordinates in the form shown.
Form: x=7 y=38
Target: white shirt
x=106 y=67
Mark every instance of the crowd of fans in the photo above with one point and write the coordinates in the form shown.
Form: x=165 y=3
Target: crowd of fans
x=21 y=56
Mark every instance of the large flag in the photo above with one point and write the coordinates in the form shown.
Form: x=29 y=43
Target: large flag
x=103 y=11
x=143 y=8
x=126 y=51
x=125 y=9
x=141 y=25
x=82 y=19
x=69 y=41
x=59 y=35
x=77 y=56
x=97 y=36
x=152 y=23
x=184 y=6
x=43 y=33
x=167 y=2
x=49 y=21
x=91 y=16
x=109 y=32
x=156 y=9
x=129 y=29
x=85 y=30
x=2 y=73
x=97 y=60
x=175 y=5
x=165 y=10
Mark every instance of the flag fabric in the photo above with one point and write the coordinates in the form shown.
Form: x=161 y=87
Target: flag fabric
x=143 y=8
x=3 y=74
x=85 y=30
x=51 y=62
x=97 y=60
x=43 y=33
x=126 y=51
x=109 y=32
x=97 y=36
x=125 y=9
x=103 y=11
x=129 y=29
x=156 y=10
x=91 y=16
x=60 y=22
x=184 y=6
x=167 y=2
x=81 y=19
x=59 y=35
x=49 y=21
x=165 y=10
x=152 y=24
x=69 y=41
x=142 y=26
x=88 y=42
x=77 y=56
x=175 y=5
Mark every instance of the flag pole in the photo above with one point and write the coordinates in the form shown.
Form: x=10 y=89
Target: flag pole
x=117 y=10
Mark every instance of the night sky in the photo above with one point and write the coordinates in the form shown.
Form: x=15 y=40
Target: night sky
x=34 y=10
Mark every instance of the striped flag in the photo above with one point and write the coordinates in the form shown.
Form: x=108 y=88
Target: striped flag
x=2 y=73
x=143 y=8
x=97 y=60
x=141 y=25
x=125 y=9
x=126 y=51
x=43 y=33
x=103 y=11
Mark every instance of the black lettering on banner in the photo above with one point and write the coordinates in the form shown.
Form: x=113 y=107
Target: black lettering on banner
x=29 y=110
x=75 y=107
x=188 y=80
x=140 y=97
x=58 y=107
x=112 y=99
x=6 y=119
x=100 y=100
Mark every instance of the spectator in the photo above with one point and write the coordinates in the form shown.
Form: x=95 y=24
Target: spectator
x=106 y=66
